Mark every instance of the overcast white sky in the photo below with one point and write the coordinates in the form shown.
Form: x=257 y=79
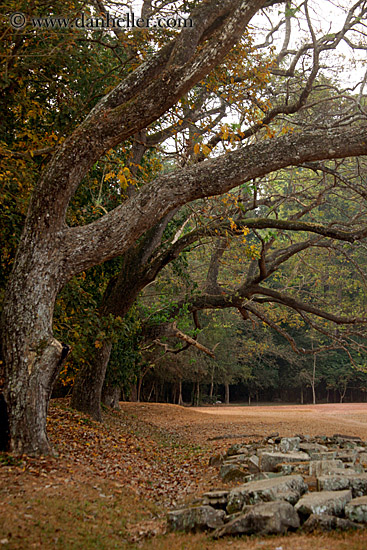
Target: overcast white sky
x=327 y=17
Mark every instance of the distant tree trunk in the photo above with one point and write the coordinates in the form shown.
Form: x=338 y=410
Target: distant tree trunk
x=343 y=390
x=249 y=399
x=313 y=382
x=174 y=393
x=134 y=394
x=226 y=396
x=180 y=400
x=151 y=391
x=140 y=382
x=197 y=397
x=211 y=392
x=87 y=391
x=313 y=394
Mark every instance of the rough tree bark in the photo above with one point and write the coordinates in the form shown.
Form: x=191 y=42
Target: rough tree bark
x=121 y=292
x=111 y=396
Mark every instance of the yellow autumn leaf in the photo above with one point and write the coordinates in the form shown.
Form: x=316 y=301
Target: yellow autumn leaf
x=197 y=148
x=206 y=150
x=123 y=181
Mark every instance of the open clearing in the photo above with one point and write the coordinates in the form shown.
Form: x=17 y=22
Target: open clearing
x=112 y=483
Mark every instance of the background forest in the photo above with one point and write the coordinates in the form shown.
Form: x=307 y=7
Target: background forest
x=256 y=293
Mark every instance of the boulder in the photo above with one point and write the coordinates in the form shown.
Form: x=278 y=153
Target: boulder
x=216 y=499
x=347 y=455
x=356 y=509
x=288 y=444
x=253 y=464
x=313 y=447
x=216 y=460
x=322 y=455
x=288 y=488
x=346 y=438
x=345 y=480
x=192 y=520
x=236 y=449
x=270 y=461
x=320 y=467
x=236 y=459
x=267 y=518
x=232 y=472
x=326 y=522
x=362 y=459
x=293 y=468
x=324 y=502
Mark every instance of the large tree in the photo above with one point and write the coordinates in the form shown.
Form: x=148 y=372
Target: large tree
x=50 y=252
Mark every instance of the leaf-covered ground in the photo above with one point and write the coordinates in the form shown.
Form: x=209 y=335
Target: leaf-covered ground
x=112 y=483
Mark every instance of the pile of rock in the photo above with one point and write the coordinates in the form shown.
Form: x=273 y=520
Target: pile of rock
x=287 y=483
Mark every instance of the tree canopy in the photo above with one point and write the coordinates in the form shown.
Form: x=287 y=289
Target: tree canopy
x=122 y=150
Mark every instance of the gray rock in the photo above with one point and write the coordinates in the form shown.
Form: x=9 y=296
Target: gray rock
x=253 y=464
x=347 y=438
x=236 y=449
x=192 y=520
x=347 y=455
x=216 y=499
x=294 y=468
x=266 y=519
x=320 y=467
x=313 y=447
x=345 y=480
x=322 y=455
x=328 y=523
x=232 y=472
x=288 y=488
x=236 y=459
x=356 y=509
x=270 y=461
x=362 y=459
x=324 y=502
x=216 y=460
x=288 y=444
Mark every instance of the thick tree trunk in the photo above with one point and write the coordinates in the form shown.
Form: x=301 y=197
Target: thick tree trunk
x=4 y=425
x=111 y=396
x=32 y=356
x=87 y=391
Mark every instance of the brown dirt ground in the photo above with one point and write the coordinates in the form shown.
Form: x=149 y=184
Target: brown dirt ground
x=233 y=423
x=112 y=483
